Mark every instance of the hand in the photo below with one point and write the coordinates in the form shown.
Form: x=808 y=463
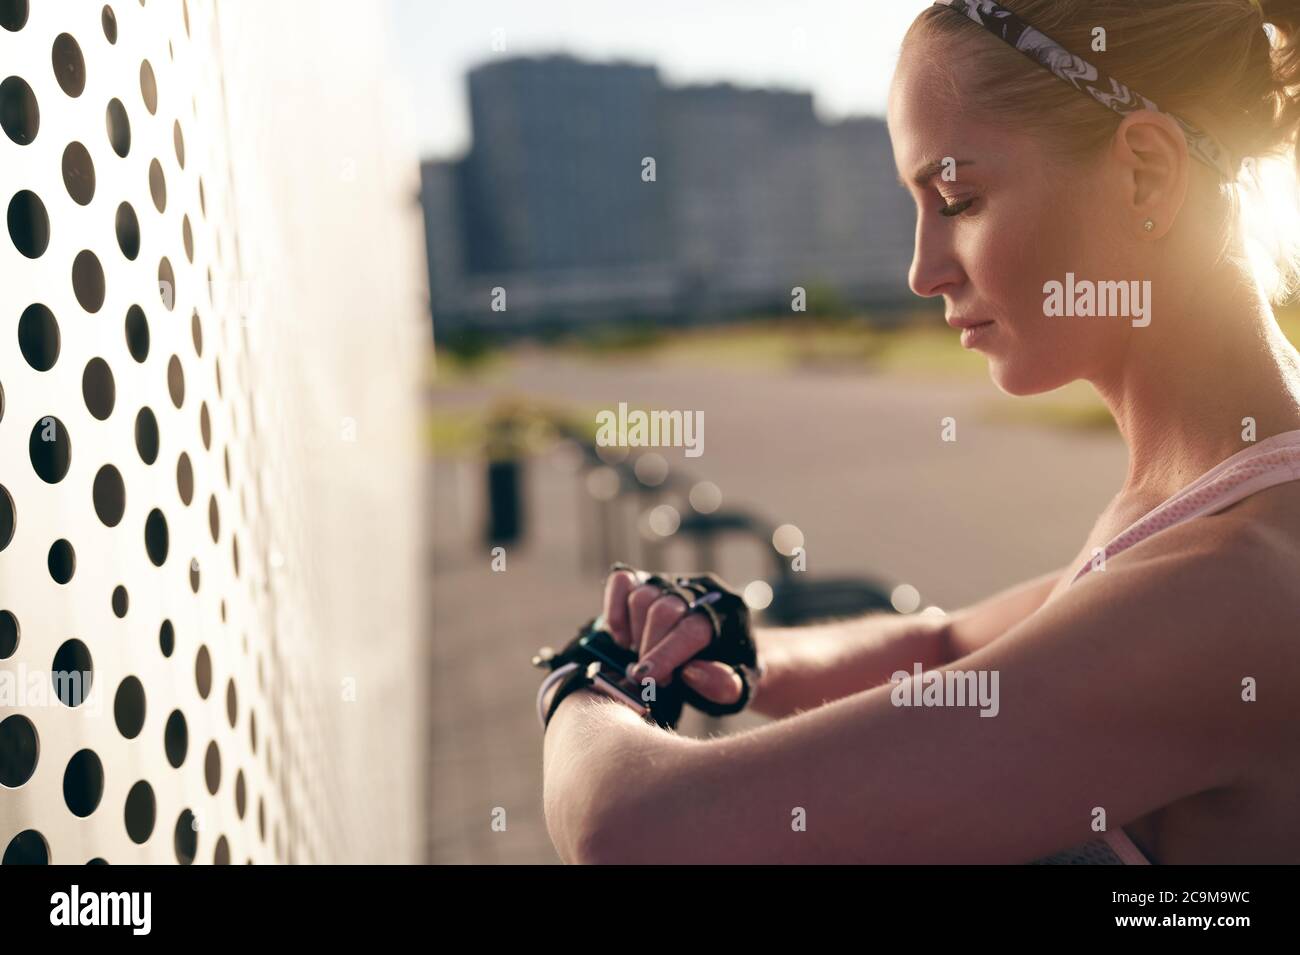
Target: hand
x=654 y=624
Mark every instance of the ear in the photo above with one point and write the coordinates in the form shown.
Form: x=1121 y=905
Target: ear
x=1152 y=157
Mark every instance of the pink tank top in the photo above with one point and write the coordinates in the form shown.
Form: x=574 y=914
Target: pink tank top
x=1272 y=461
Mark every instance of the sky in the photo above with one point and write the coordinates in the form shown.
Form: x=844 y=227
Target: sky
x=842 y=51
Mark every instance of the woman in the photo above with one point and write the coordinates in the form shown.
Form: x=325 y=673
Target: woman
x=1149 y=690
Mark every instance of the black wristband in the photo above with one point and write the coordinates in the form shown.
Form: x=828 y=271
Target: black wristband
x=577 y=680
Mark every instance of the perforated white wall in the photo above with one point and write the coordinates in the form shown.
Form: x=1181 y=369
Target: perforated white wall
x=210 y=337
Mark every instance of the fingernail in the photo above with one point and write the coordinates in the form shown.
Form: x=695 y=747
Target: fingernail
x=641 y=669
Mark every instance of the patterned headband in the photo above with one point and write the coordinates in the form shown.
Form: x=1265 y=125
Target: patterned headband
x=1083 y=76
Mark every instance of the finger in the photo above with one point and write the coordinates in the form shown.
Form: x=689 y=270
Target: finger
x=691 y=635
x=659 y=621
x=638 y=606
x=713 y=681
x=617 y=589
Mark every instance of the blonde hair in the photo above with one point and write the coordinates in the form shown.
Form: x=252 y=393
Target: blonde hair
x=1211 y=61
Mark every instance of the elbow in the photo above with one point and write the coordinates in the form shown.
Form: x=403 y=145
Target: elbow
x=590 y=829
x=606 y=810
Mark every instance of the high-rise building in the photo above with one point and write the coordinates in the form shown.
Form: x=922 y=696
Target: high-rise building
x=593 y=192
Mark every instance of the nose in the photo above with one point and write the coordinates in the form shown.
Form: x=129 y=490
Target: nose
x=935 y=270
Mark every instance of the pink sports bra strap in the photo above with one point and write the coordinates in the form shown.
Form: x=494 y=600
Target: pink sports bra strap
x=1273 y=461
x=1124 y=847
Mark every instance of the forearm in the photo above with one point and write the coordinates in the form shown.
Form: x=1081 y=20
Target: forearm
x=812 y=665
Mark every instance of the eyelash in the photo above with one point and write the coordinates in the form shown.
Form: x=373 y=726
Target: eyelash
x=951 y=210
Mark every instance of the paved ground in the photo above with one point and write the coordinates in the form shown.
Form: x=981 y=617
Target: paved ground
x=856 y=462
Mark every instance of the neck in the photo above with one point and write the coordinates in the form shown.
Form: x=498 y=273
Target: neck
x=1186 y=385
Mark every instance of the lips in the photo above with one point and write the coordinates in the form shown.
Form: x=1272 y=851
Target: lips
x=964 y=322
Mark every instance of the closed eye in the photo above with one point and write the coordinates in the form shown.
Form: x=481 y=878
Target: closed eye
x=956 y=208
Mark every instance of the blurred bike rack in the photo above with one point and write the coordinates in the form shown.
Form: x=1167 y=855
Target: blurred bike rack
x=607 y=485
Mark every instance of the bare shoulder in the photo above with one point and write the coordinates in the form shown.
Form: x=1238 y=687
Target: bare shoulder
x=1211 y=603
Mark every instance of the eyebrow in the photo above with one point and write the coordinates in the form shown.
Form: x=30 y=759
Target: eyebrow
x=931 y=169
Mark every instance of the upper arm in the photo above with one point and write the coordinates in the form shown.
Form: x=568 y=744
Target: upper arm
x=1116 y=696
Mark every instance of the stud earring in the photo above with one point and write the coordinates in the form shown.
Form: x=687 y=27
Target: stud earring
x=1149 y=225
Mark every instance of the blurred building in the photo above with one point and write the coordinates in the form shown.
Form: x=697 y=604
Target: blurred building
x=751 y=195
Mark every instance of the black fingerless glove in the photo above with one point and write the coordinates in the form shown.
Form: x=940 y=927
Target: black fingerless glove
x=593 y=658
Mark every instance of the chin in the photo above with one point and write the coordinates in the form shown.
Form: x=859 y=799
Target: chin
x=1021 y=378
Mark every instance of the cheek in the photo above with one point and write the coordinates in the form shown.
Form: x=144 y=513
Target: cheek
x=1018 y=249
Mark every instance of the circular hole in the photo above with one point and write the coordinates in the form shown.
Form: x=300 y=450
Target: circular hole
x=214 y=518
x=232 y=703
x=74 y=673
x=118 y=126
x=127 y=227
x=178 y=140
x=148 y=87
x=222 y=854
x=137 y=333
x=203 y=199
x=8 y=519
x=252 y=729
x=50 y=449
x=155 y=537
x=140 y=813
x=29 y=224
x=69 y=67
x=109 y=21
x=185 y=479
x=83 y=783
x=88 y=281
x=9 y=634
x=62 y=561
x=13 y=14
x=98 y=389
x=146 y=436
x=234 y=552
x=212 y=768
x=27 y=848
x=129 y=707
x=20 y=116
x=187 y=238
x=203 y=672
x=176 y=738
x=194 y=575
x=157 y=186
x=19 y=751
x=205 y=425
x=196 y=332
x=241 y=794
x=176 y=381
x=38 y=337
x=121 y=601
x=167 y=284
x=261 y=818
x=186 y=839
x=167 y=638
x=78 y=173
x=110 y=497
